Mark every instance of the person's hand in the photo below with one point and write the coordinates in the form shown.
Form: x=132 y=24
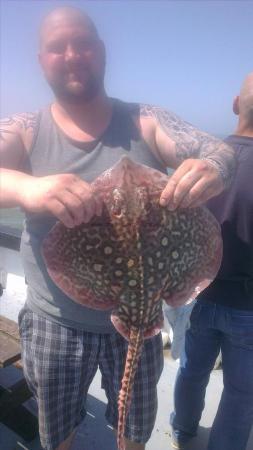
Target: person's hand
x=191 y=185
x=66 y=196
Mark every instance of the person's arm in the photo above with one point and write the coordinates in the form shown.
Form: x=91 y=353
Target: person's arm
x=66 y=196
x=16 y=135
x=204 y=164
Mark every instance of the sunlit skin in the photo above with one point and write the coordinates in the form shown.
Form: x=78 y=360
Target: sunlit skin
x=242 y=107
x=73 y=60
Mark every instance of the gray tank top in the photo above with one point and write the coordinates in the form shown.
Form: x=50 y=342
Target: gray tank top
x=53 y=153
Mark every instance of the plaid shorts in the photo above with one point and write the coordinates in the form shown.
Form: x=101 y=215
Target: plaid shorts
x=59 y=365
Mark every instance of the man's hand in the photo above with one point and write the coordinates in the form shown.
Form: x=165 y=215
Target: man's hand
x=191 y=185
x=66 y=196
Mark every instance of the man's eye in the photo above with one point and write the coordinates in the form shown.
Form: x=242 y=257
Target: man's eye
x=56 y=47
x=84 y=45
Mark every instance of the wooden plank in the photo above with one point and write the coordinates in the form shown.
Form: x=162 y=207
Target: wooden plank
x=10 y=238
x=10 y=350
x=9 y=327
x=12 y=413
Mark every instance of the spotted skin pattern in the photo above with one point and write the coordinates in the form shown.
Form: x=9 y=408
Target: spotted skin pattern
x=132 y=257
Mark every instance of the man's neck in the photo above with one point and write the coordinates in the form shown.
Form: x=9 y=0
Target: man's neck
x=88 y=119
x=248 y=132
x=244 y=129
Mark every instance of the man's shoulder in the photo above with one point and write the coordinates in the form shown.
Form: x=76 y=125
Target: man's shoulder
x=21 y=120
x=236 y=141
x=160 y=116
x=141 y=108
x=131 y=107
x=19 y=129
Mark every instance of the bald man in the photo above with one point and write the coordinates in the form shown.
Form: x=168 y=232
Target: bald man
x=222 y=319
x=49 y=159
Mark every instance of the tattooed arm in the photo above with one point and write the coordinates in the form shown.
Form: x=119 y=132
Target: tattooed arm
x=204 y=164
x=16 y=135
x=65 y=196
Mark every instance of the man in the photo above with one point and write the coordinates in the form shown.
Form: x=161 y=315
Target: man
x=222 y=318
x=48 y=161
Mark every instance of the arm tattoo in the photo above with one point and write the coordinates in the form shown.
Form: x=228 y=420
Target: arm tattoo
x=24 y=122
x=192 y=143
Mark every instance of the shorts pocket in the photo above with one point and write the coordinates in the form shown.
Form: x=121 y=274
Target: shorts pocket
x=25 y=323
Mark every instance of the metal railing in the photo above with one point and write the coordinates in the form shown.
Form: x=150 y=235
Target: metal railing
x=10 y=237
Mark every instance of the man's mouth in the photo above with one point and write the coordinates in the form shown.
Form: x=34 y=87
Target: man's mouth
x=73 y=75
x=77 y=75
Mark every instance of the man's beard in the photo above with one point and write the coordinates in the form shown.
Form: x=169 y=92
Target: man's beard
x=75 y=92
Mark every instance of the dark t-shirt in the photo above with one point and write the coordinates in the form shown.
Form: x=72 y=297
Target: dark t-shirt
x=233 y=209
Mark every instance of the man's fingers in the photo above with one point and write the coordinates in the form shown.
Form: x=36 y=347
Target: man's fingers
x=200 y=193
x=60 y=211
x=202 y=199
x=79 y=188
x=89 y=211
x=178 y=187
x=73 y=204
x=193 y=181
x=91 y=204
x=80 y=210
x=167 y=193
x=84 y=191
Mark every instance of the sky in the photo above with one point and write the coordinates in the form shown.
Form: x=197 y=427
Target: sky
x=189 y=57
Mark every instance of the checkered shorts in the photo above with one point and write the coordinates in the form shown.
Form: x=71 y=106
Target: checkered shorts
x=59 y=365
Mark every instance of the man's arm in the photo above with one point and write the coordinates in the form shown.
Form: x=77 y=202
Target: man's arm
x=16 y=136
x=66 y=196
x=189 y=142
x=204 y=164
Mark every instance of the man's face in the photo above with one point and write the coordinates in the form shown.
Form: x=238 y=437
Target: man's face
x=72 y=58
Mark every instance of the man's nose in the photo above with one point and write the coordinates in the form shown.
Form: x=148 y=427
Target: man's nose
x=71 y=53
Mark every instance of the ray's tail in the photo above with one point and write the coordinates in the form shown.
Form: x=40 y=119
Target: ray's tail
x=133 y=355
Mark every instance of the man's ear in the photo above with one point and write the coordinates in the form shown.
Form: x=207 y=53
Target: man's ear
x=236 y=108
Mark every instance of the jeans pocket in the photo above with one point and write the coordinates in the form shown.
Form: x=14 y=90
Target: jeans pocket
x=241 y=327
x=194 y=317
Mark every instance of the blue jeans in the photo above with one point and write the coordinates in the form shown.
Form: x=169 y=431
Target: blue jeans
x=179 y=320
x=214 y=328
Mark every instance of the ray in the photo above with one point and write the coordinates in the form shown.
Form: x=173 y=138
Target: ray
x=132 y=257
